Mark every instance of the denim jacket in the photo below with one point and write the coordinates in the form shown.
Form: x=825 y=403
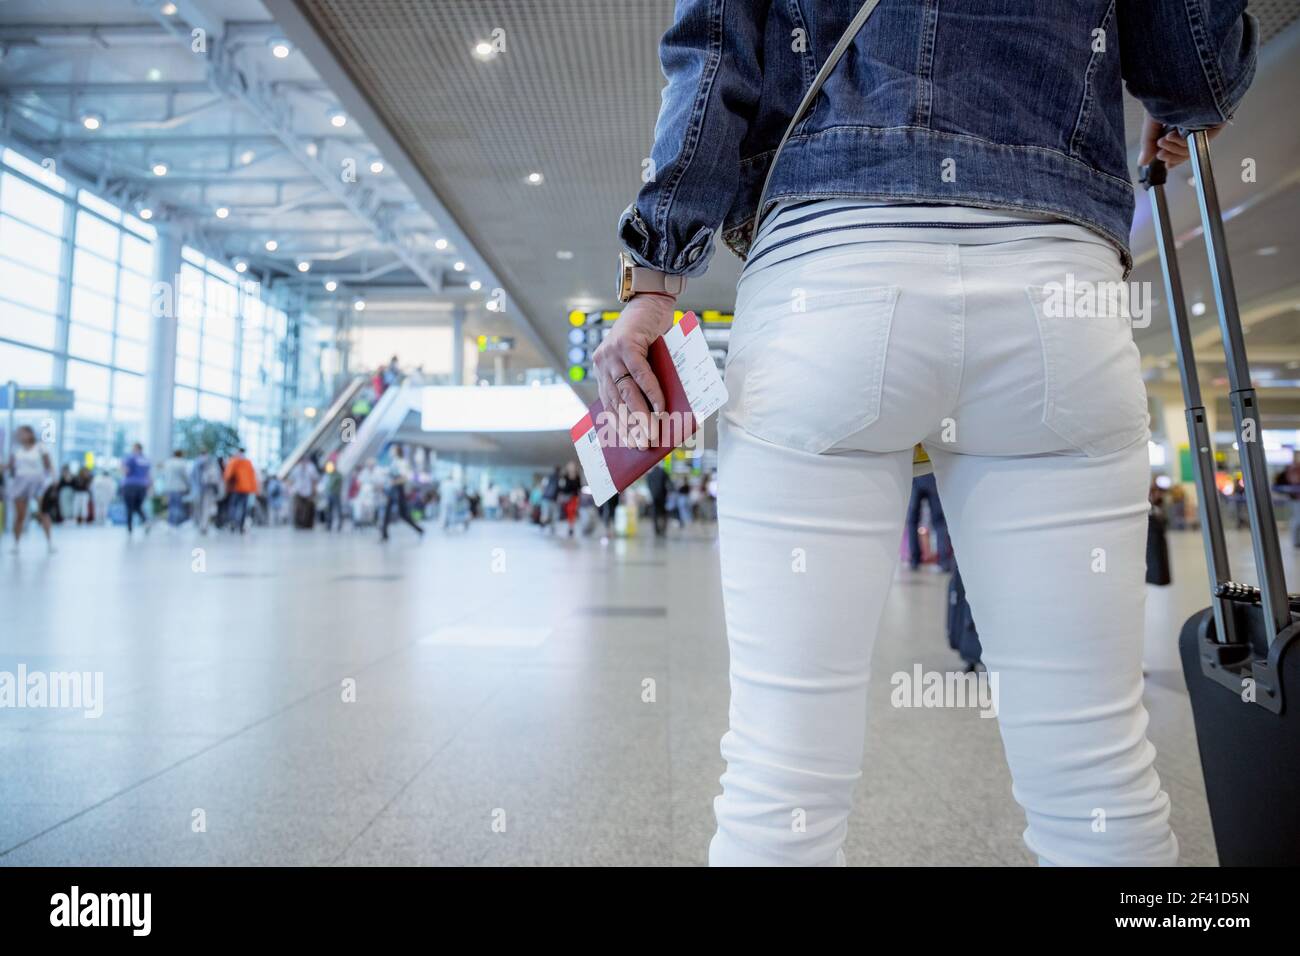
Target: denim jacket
x=1006 y=104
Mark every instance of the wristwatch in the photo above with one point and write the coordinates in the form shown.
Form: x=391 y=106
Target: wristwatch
x=633 y=278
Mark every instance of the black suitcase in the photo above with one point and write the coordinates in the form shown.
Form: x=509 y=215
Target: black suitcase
x=1241 y=656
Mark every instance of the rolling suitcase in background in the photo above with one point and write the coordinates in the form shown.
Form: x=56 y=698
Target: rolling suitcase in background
x=1241 y=656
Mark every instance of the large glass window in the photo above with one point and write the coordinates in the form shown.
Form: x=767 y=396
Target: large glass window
x=207 y=339
x=55 y=238
x=76 y=284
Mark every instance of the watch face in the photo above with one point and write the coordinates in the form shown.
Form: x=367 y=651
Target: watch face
x=624 y=291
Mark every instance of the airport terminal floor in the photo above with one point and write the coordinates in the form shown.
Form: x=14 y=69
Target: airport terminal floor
x=325 y=699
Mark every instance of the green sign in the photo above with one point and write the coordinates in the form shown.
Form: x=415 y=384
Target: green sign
x=45 y=399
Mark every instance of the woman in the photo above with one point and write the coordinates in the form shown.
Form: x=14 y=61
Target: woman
x=960 y=163
x=136 y=481
x=30 y=474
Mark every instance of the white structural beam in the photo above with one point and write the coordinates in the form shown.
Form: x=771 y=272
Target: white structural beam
x=228 y=79
x=302 y=34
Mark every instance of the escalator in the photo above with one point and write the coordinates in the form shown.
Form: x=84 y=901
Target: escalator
x=381 y=425
x=328 y=430
x=355 y=442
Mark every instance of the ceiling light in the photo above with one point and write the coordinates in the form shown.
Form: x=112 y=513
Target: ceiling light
x=376 y=166
x=280 y=47
x=459 y=266
x=565 y=254
x=146 y=213
x=490 y=305
x=92 y=121
x=160 y=167
x=1266 y=251
x=358 y=305
x=272 y=245
x=169 y=9
x=331 y=285
x=154 y=74
x=241 y=265
x=484 y=50
x=338 y=118
x=304 y=266
x=535 y=179
x=312 y=149
x=247 y=156
x=475 y=285
x=222 y=212
x=440 y=244
x=1198 y=308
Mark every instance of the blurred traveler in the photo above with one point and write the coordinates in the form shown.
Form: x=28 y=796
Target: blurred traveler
x=333 y=496
x=241 y=485
x=136 y=480
x=81 y=503
x=956 y=159
x=176 y=486
x=492 y=502
x=30 y=473
x=569 y=496
x=1288 y=486
x=362 y=404
x=685 y=502
x=657 y=480
x=925 y=491
x=365 y=507
x=550 y=500
x=67 y=495
x=302 y=485
x=399 y=476
x=206 y=478
x=103 y=489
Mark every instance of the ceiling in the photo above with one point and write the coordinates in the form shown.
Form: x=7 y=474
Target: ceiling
x=241 y=130
x=575 y=95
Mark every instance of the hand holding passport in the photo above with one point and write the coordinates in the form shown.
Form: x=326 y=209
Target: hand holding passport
x=692 y=390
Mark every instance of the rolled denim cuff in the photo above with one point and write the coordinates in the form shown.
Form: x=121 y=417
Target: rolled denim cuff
x=656 y=252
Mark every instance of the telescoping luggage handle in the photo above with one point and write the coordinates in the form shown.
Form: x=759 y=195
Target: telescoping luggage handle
x=1272 y=592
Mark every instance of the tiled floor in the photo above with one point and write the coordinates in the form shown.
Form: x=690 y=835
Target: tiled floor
x=499 y=678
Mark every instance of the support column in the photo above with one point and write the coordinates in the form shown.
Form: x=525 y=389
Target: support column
x=160 y=382
x=458 y=345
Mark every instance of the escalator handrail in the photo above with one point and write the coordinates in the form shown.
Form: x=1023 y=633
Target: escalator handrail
x=364 y=439
x=337 y=407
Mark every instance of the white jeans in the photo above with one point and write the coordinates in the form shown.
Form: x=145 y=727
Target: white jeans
x=1037 y=426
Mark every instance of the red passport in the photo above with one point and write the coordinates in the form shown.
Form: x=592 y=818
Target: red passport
x=693 y=390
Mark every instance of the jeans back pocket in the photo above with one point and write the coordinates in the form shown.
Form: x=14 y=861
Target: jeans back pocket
x=1093 y=395
x=805 y=371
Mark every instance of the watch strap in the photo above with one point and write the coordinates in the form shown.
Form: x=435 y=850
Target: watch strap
x=652 y=280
